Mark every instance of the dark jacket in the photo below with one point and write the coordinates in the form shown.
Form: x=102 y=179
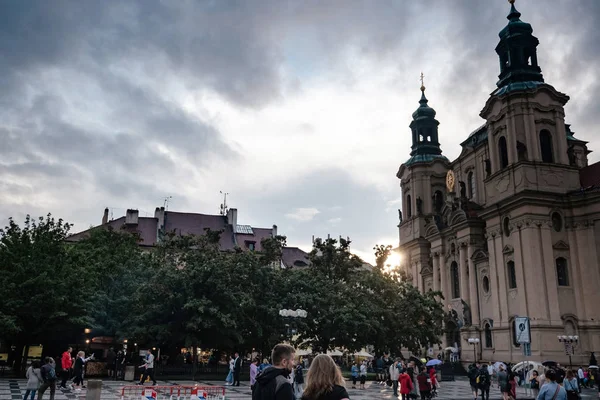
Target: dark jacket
x=273 y=384
x=78 y=367
x=237 y=367
x=48 y=373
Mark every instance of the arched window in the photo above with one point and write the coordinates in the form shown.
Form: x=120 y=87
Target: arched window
x=503 y=152
x=471 y=182
x=438 y=201
x=562 y=271
x=489 y=341
x=408 y=206
x=512 y=275
x=455 y=280
x=546 y=146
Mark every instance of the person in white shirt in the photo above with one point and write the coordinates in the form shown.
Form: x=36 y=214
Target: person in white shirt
x=580 y=376
x=363 y=374
x=148 y=368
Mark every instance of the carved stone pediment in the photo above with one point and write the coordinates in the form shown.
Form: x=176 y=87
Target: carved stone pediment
x=560 y=245
x=508 y=249
x=480 y=255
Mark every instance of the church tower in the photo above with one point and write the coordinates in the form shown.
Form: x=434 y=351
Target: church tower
x=422 y=181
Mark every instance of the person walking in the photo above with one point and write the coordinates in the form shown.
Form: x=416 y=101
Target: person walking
x=148 y=368
x=299 y=380
x=34 y=380
x=424 y=385
x=571 y=386
x=472 y=374
x=237 y=368
x=111 y=362
x=253 y=373
x=363 y=374
x=66 y=363
x=551 y=389
x=324 y=380
x=354 y=371
x=48 y=374
x=484 y=382
x=79 y=368
x=229 y=379
x=503 y=383
x=273 y=382
x=406 y=384
x=394 y=373
x=534 y=383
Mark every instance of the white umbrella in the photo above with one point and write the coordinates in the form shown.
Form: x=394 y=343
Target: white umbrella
x=452 y=349
x=302 y=352
x=532 y=364
x=498 y=364
x=363 y=353
x=335 y=353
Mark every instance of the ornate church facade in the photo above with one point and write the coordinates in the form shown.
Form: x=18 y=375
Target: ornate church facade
x=511 y=228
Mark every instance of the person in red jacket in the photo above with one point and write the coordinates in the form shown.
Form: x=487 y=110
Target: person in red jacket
x=66 y=363
x=433 y=380
x=424 y=385
x=406 y=385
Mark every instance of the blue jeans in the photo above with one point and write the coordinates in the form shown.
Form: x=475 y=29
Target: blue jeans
x=32 y=391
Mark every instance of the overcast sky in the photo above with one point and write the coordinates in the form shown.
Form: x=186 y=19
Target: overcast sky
x=299 y=109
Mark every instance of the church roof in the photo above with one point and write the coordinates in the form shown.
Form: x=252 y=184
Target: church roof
x=590 y=175
x=425 y=158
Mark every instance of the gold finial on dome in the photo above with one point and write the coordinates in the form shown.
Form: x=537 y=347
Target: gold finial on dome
x=422 y=85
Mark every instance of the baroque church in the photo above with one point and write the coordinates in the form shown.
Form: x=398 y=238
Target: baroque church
x=511 y=228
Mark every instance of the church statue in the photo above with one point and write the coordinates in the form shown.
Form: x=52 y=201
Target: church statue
x=572 y=157
x=463 y=190
x=400 y=215
x=466 y=313
x=419 y=206
x=488 y=167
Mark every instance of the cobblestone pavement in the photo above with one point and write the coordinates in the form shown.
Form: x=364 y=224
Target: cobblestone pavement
x=14 y=389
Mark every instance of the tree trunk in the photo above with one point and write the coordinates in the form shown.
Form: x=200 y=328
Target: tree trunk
x=24 y=356
x=194 y=360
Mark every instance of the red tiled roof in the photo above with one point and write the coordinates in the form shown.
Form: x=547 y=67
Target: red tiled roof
x=294 y=257
x=196 y=224
x=146 y=228
x=590 y=175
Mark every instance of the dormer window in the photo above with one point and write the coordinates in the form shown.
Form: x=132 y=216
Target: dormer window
x=251 y=245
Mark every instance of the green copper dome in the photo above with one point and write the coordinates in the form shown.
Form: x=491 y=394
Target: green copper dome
x=424 y=111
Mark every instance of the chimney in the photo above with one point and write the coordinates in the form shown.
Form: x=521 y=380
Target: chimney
x=232 y=218
x=105 y=216
x=131 y=217
x=159 y=214
x=274 y=232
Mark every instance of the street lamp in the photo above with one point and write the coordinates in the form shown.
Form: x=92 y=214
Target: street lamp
x=570 y=343
x=474 y=342
x=299 y=313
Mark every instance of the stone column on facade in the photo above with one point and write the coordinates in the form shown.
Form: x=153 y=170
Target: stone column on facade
x=494 y=284
x=436 y=272
x=533 y=136
x=464 y=278
x=519 y=271
x=549 y=272
x=420 y=277
x=473 y=286
x=501 y=279
x=444 y=279
x=536 y=297
x=587 y=251
x=415 y=275
x=511 y=137
x=577 y=274
x=560 y=139
x=593 y=272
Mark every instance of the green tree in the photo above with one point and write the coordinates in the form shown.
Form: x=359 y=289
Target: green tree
x=44 y=291
x=115 y=266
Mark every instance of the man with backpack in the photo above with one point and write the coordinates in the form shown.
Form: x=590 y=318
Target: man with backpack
x=484 y=382
x=49 y=377
x=473 y=373
x=273 y=383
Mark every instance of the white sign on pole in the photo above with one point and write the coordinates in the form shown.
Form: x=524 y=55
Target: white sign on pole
x=522 y=332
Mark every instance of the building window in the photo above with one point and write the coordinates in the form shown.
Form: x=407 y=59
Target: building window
x=455 y=280
x=471 y=183
x=512 y=275
x=503 y=152
x=438 y=201
x=506 y=226
x=557 y=222
x=513 y=333
x=546 y=146
x=489 y=342
x=251 y=245
x=486 y=284
x=562 y=271
x=408 y=206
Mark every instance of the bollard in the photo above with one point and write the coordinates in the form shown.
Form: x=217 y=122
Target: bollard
x=94 y=390
x=129 y=373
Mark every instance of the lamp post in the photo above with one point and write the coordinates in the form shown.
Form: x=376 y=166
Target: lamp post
x=570 y=343
x=474 y=342
x=299 y=313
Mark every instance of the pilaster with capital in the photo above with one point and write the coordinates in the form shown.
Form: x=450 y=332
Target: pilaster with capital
x=464 y=278
x=560 y=137
x=473 y=285
x=436 y=271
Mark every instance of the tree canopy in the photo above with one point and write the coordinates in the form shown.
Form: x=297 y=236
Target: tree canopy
x=187 y=291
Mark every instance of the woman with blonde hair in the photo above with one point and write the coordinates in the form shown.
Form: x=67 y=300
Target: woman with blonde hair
x=324 y=381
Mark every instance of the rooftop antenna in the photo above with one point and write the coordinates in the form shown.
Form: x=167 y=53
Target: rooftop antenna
x=223 y=208
x=166 y=202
